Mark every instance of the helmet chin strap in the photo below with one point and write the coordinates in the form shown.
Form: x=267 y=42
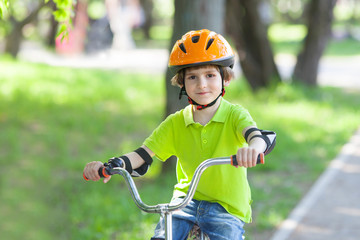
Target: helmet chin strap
x=199 y=106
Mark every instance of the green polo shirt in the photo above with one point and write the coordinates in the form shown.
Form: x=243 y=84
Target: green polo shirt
x=193 y=143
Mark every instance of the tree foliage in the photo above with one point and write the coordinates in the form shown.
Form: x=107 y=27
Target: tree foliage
x=4 y=5
x=63 y=13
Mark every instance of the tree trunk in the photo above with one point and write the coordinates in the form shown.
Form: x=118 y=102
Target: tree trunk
x=13 y=40
x=245 y=25
x=190 y=15
x=148 y=7
x=319 y=21
x=51 y=35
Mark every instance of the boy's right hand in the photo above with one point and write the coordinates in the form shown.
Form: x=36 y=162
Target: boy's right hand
x=91 y=171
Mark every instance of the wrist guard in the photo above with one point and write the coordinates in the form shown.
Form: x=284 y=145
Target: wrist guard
x=268 y=136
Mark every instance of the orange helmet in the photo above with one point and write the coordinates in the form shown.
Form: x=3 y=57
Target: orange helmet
x=201 y=47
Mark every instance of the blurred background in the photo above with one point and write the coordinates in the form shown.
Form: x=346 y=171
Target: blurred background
x=87 y=80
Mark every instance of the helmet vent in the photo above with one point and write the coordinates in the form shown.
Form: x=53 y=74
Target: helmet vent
x=209 y=43
x=182 y=47
x=195 y=39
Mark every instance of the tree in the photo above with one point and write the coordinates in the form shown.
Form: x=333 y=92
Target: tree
x=245 y=25
x=17 y=20
x=319 y=20
x=192 y=15
x=17 y=23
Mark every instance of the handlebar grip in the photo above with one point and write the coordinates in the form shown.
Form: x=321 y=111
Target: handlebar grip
x=103 y=173
x=260 y=160
x=85 y=177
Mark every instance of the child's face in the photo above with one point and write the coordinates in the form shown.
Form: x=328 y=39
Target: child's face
x=203 y=84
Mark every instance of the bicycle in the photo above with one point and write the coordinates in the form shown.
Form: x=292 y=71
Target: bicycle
x=166 y=209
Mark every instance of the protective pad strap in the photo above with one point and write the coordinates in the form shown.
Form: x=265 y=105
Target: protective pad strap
x=127 y=162
x=248 y=132
x=144 y=155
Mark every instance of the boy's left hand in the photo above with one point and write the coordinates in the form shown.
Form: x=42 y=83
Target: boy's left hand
x=247 y=157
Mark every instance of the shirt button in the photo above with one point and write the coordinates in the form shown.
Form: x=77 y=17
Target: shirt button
x=205 y=141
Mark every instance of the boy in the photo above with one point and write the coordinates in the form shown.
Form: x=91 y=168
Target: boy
x=209 y=127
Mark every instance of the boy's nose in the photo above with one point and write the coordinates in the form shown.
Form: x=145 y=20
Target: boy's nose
x=202 y=82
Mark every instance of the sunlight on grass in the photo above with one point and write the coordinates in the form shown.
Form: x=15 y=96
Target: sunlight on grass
x=288 y=39
x=286 y=33
x=161 y=32
x=53 y=121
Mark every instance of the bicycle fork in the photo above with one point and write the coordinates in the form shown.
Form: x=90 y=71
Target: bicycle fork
x=168 y=225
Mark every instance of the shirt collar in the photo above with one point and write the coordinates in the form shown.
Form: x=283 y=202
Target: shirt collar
x=220 y=115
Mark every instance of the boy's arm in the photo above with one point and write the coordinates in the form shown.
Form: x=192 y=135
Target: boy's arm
x=247 y=156
x=257 y=143
x=136 y=161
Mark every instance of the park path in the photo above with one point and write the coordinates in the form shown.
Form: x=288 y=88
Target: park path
x=333 y=71
x=331 y=209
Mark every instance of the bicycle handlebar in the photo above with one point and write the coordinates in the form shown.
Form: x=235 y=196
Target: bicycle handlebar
x=168 y=207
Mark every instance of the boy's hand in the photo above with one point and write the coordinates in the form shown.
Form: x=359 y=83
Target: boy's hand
x=91 y=171
x=247 y=157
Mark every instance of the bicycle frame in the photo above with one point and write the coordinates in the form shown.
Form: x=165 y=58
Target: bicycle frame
x=166 y=209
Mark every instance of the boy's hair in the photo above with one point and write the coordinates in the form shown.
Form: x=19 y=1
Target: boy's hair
x=178 y=79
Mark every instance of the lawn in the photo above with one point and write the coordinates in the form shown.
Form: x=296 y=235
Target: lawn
x=286 y=38
x=54 y=120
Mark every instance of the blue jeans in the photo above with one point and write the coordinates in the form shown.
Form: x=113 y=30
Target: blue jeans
x=212 y=219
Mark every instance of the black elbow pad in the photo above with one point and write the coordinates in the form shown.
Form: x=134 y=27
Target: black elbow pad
x=140 y=171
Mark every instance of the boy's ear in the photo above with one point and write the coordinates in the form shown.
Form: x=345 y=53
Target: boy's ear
x=227 y=82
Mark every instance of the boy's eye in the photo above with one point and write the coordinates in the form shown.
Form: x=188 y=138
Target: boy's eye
x=210 y=75
x=192 y=77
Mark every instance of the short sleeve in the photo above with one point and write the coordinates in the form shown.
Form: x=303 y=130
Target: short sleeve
x=161 y=140
x=241 y=119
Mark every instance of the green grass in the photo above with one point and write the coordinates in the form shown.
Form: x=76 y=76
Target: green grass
x=54 y=120
x=160 y=36
x=288 y=39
